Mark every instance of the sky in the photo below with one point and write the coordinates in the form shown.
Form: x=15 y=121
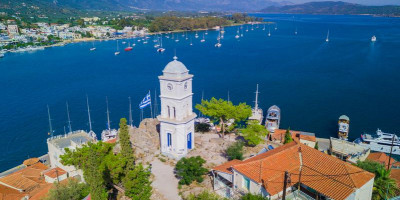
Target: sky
x=364 y=2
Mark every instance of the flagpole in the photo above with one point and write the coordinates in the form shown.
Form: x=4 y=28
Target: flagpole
x=151 y=107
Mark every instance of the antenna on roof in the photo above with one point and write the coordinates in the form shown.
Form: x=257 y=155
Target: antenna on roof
x=69 y=120
x=50 y=126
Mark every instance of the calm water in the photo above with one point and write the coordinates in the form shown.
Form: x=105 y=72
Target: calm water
x=313 y=82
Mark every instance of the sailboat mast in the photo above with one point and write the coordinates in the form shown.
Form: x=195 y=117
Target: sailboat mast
x=108 y=116
x=130 y=112
x=69 y=120
x=88 y=110
x=50 y=126
x=256 y=103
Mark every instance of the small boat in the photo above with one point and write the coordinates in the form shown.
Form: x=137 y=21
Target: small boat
x=252 y=26
x=186 y=36
x=196 y=35
x=109 y=133
x=219 y=41
x=117 y=52
x=264 y=28
x=295 y=32
x=269 y=32
x=191 y=43
x=93 y=48
x=276 y=26
x=327 y=37
x=257 y=113
x=1 y=55
x=203 y=40
x=177 y=40
x=381 y=142
x=206 y=32
x=273 y=118
x=161 y=49
x=343 y=124
x=247 y=28
x=123 y=42
x=237 y=34
x=373 y=38
x=145 y=42
x=129 y=48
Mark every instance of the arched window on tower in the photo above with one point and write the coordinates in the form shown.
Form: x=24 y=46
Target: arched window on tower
x=169 y=112
x=174 y=112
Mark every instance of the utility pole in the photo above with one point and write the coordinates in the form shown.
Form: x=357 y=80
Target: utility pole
x=390 y=155
x=285 y=185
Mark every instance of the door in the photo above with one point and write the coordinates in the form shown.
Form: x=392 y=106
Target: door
x=189 y=141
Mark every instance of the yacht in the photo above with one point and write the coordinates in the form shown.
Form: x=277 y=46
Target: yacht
x=257 y=113
x=343 y=123
x=117 y=52
x=93 y=48
x=197 y=35
x=109 y=133
x=129 y=48
x=161 y=49
x=237 y=34
x=219 y=41
x=206 y=32
x=1 y=55
x=373 y=39
x=327 y=37
x=203 y=40
x=123 y=42
x=273 y=118
x=381 y=142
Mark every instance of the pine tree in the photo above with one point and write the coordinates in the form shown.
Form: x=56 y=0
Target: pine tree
x=316 y=146
x=288 y=137
x=126 y=147
x=137 y=183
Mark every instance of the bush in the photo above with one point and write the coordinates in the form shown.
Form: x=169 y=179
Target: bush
x=190 y=169
x=235 y=151
x=205 y=195
x=70 y=191
x=250 y=196
x=202 y=127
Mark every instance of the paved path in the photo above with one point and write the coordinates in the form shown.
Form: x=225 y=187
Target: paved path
x=165 y=181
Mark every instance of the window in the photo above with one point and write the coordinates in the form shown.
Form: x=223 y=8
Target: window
x=246 y=183
x=169 y=112
x=174 y=112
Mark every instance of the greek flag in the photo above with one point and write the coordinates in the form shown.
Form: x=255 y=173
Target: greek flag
x=146 y=101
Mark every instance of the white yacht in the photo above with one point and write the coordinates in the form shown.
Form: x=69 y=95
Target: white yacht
x=161 y=49
x=109 y=133
x=257 y=113
x=196 y=35
x=203 y=40
x=117 y=52
x=373 y=39
x=273 y=118
x=381 y=142
x=343 y=123
x=219 y=41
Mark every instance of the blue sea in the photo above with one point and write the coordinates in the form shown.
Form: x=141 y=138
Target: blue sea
x=312 y=81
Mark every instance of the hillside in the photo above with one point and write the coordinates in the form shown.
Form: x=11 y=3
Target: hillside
x=335 y=8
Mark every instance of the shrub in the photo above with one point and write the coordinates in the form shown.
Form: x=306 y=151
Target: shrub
x=205 y=195
x=235 y=151
x=190 y=169
x=202 y=127
x=250 y=196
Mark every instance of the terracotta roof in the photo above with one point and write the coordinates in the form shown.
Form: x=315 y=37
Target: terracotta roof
x=112 y=141
x=7 y=193
x=381 y=157
x=31 y=161
x=279 y=134
x=395 y=174
x=53 y=173
x=226 y=166
x=325 y=174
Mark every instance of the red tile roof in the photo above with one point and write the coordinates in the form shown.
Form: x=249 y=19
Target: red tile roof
x=395 y=174
x=325 y=174
x=279 y=134
x=53 y=173
x=112 y=141
x=381 y=157
x=226 y=166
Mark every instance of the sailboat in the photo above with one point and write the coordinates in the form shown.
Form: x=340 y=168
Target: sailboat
x=191 y=43
x=269 y=32
x=252 y=26
x=203 y=40
x=91 y=132
x=295 y=32
x=109 y=133
x=219 y=41
x=373 y=39
x=264 y=28
x=276 y=26
x=161 y=49
x=237 y=34
x=123 y=42
x=196 y=35
x=93 y=48
x=247 y=28
x=257 y=113
x=145 y=41
x=129 y=48
x=186 y=36
x=206 y=32
x=177 y=39
x=158 y=43
x=327 y=37
x=241 y=27
x=117 y=52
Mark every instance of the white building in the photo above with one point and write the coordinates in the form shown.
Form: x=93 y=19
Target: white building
x=177 y=117
x=57 y=145
x=12 y=30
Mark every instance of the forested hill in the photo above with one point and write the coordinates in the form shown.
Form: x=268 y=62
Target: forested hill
x=334 y=8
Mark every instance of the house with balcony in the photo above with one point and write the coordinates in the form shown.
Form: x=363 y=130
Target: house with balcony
x=311 y=174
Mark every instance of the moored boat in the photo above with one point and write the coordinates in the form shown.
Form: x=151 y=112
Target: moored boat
x=256 y=112
x=343 y=123
x=273 y=118
x=381 y=142
x=373 y=38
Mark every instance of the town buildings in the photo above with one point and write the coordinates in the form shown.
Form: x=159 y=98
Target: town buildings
x=306 y=138
x=311 y=175
x=348 y=151
x=177 y=117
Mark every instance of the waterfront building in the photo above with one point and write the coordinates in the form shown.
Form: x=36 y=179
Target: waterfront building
x=311 y=174
x=348 y=151
x=57 y=145
x=306 y=138
x=177 y=117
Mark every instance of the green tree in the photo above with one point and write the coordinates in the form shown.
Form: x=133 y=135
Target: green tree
x=202 y=127
x=384 y=186
x=224 y=110
x=204 y=195
x=250 y=196
x=316 y=146
x=73 y=190
x=126 y=146
x=254 y=133
x=235 y=151
x=288 y=137
x=190 y=169
x=137 y=183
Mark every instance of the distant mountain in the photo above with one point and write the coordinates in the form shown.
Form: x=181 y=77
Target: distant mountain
x=161 y=5
x=334 y=7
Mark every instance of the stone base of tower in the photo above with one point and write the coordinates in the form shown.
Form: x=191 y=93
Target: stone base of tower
x=177 y=138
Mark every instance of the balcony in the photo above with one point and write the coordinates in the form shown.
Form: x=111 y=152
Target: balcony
x=298 y=195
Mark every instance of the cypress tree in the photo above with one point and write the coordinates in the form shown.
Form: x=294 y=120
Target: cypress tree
x=288 y=137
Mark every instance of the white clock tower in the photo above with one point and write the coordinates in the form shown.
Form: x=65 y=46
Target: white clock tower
x=177 y=117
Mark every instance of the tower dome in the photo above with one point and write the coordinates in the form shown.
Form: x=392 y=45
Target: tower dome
x=175 y=68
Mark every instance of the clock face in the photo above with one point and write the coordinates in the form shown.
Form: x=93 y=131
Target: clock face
x=169 y=86
x=186 y=85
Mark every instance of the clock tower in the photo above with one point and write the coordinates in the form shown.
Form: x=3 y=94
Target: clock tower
x=177 y=117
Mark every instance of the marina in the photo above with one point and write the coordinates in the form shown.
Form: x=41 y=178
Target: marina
x=312 y=81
